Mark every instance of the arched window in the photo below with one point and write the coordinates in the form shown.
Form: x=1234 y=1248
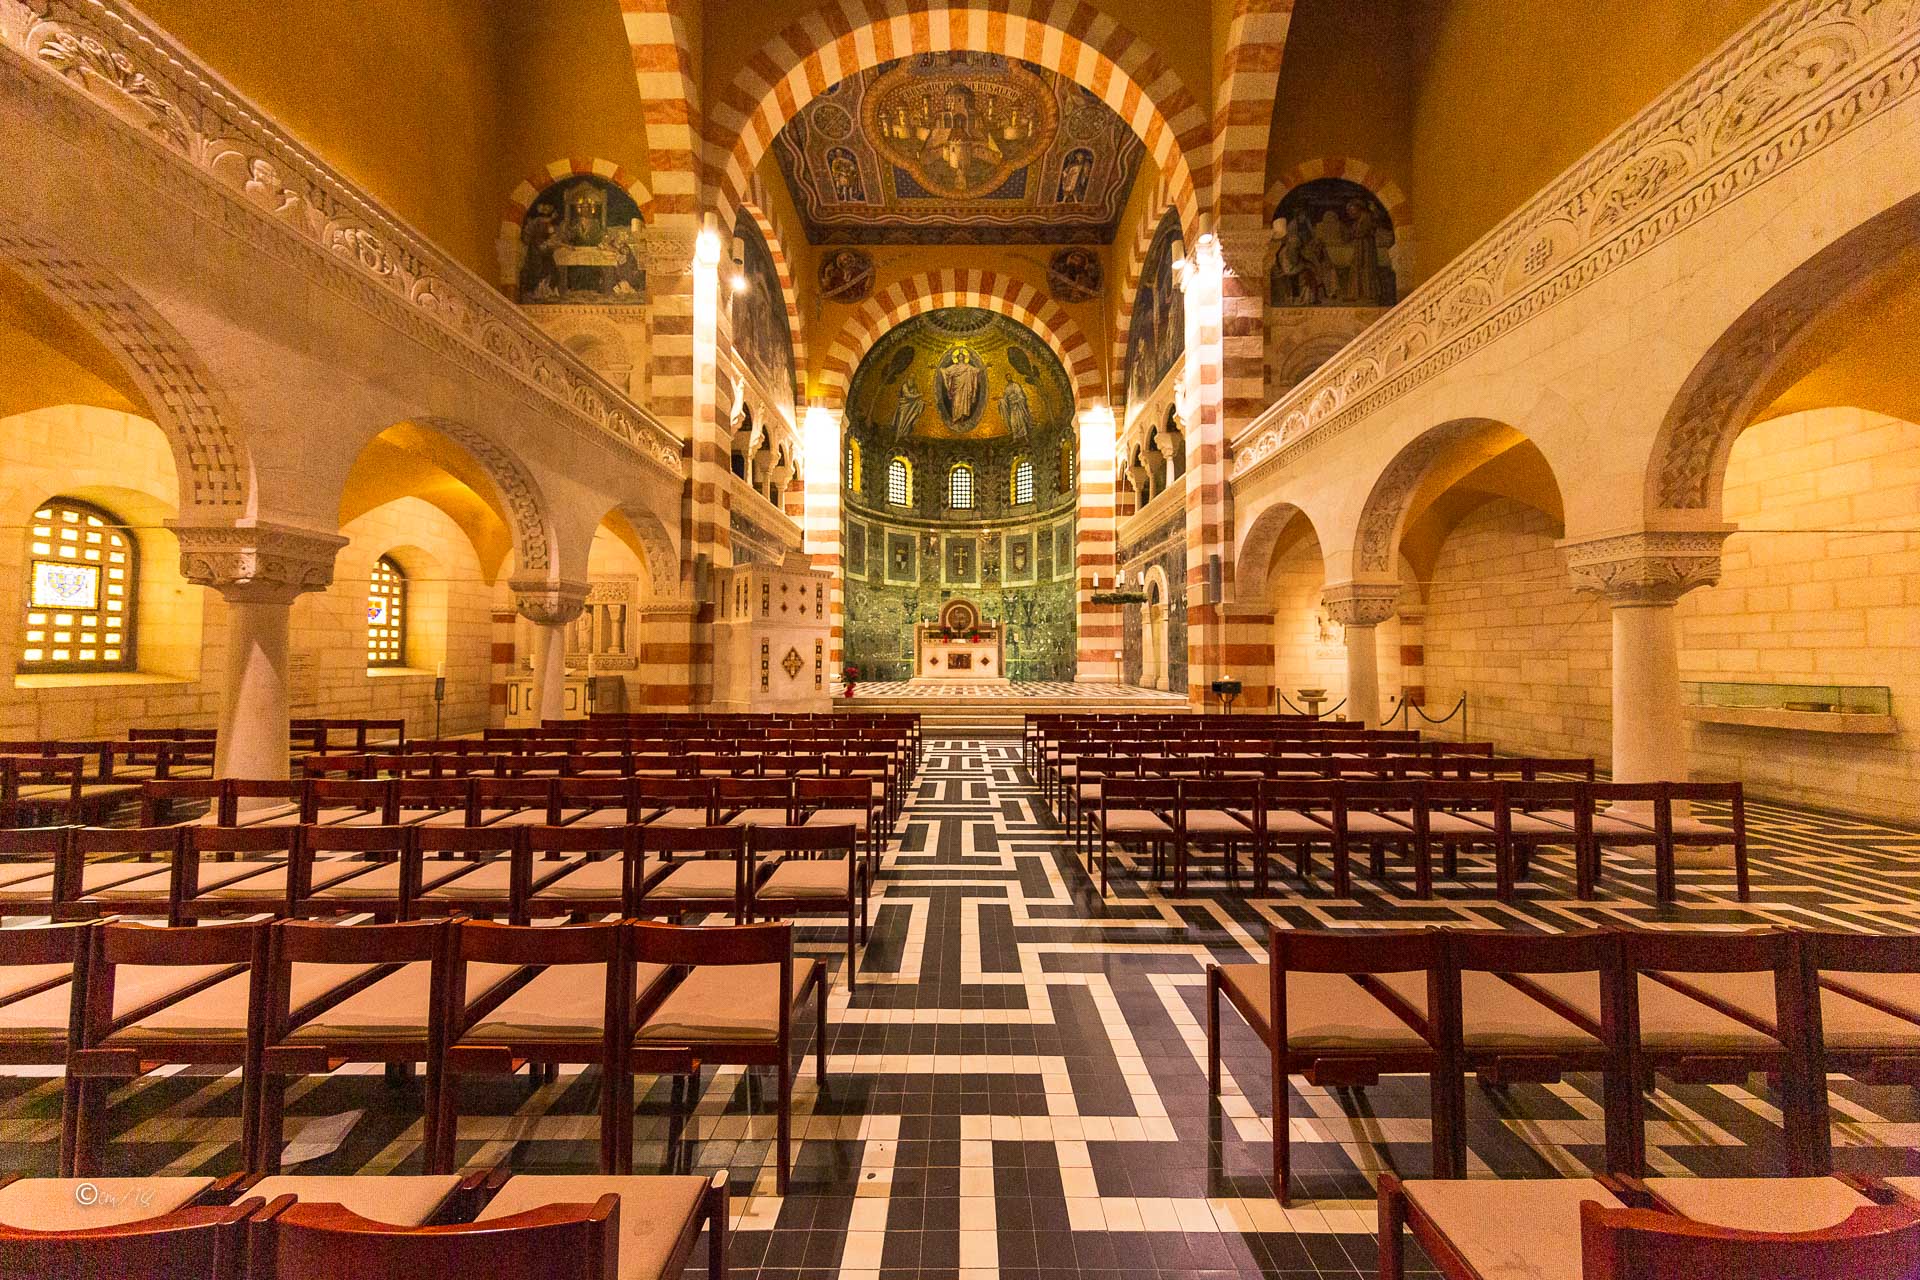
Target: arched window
x=854 y=483
x=900 y=483
x=1022 y=481
x=82 y=568
x=960 y=487
x=387 y=615
x=1066 y=466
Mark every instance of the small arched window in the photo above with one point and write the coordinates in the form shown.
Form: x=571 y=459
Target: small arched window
x=1022 y=482
x=387 y=615
x=854 y=483
x=1066 y=466
x=900 y=483
x=960 y=487
x=82 y=571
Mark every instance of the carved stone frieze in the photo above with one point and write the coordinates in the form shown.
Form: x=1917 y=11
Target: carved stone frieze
x=256 y=563
x=1646 y=567
x=1798 y=78
x=548 y=604
x=138 y=75
x=1361 y=604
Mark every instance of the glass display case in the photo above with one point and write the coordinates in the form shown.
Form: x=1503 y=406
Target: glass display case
x=1822 y=708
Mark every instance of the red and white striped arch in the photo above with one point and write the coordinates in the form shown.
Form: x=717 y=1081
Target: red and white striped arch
x=1072 y=38
x=932 y=290
x=1357 y=171
x=1243 y=107
x=669 y=102
x=514 y=213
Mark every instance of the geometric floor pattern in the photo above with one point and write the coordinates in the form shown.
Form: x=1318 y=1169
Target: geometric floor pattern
x=1019 y=1089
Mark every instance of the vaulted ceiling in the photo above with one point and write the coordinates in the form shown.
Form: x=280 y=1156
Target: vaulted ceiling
x=959 y=148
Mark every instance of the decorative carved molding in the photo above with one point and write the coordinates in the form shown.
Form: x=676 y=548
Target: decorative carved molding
x=548 y=604
x=256 y=563
x=1361 y=604
x=1799 y=77
x=1647 y=567
x=138 y=75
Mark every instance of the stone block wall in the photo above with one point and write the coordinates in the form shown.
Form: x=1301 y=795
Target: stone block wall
x=1807 y=606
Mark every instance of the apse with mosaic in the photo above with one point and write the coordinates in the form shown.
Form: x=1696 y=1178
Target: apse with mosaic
x=960 y=373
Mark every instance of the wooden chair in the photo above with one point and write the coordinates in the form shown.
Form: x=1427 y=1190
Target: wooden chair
x=33 y=787
x=120 y=869
x=535 y=1227
x=836 y=802
x=1391 y=814
x=1144 y=812
x=816 y=872
x=574 y=1010
x=126 y=1228
x=675 y=802
x=734 y=1006
x=33 y=861
x=43 y=973
x=753 y=802
x=1211 y=812
x=350 y=869
x=442 y=801
x=1644 y=815
x=267 y=852
x=160 y=796
x=705 y=871
x=399 y=1020
x=1320 y=1006
x=592 y=885
x=350 y=802
x=595 y=801
x=1620 y=1229
x=516 y=802
x=1285 y=809
x=477 y=871
x=267 y=801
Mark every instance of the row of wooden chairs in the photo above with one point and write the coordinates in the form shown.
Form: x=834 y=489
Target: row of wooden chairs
x=1623 y=1228
x=1170 y=818
x=279 y=1227
x=764 y=870
x=112 y=1001
x=1344 y=1008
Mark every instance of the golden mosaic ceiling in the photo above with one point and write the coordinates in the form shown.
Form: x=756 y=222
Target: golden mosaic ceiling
x=958 y=147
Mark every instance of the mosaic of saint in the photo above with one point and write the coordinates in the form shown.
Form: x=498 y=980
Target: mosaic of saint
x=960 y=373
x=582 y=241
x=758 y=311
x=958 y=147
x=1331 y=239
x=1157 y=334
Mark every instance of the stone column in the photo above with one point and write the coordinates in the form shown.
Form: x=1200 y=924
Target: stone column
x=550 y=607
x=1097 y=657
x=1209 y=518
x=259 y=569
x=825 y=459
x=1360 y=607
x=1642 y=575
x=1169 y=446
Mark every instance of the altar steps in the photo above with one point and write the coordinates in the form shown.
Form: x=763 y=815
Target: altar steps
x=998 y=717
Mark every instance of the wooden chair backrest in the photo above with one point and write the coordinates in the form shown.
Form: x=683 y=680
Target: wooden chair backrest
x=327 y=1242
x=1882 y=1241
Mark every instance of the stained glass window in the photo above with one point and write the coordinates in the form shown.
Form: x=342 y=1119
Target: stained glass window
x=387 y=615
x=80 y=597
x=960 y=487
x=899 y=483
x=1022 y=482
x=854 y=483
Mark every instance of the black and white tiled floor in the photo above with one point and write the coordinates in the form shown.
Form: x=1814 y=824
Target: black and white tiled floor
x=1019 y=1088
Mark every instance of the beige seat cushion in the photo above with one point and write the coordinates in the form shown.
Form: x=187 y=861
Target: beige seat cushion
x=394 y=1007
x=397 y=1199
x=94 y=878
x=213 y=875
x=610 y=817
x=653 y=1212
x=1217 y=822
x=1900 y=990
x=1496 y=1014
x=603 y=876
x=1134 y=822
x=799 y=879
x=697 y=878
x=383 y=881
x=54 y=1204
x=679 y=818
x=221 y=1010
x=15 y=872
x=1908 y=1187
x=563 y=1002
x=1325 y=1011
x=1467 y=825
x=534 y=817
x=44 y=1015
x=759 y=817
x=1291 y=823
x=273 y=882
x=1761 y=1204
x=1362 y=823
x=1513 y=1229
x=856 y=818
x=350 y=818
x=492 y=878
x=1668 y=1019
x=723 y=1004
x=15 y=978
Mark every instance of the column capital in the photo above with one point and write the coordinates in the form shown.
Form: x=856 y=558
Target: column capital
x=548 y=604
x=1245 y=249
x=256 y=562
x=1646 y=566
x=1361 y=604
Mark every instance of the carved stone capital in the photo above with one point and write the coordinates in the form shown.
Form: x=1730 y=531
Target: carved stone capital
x=255 y=563
x=1646 y=567
x=1245 y=251
x=1361 y=604
x=548 y=604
